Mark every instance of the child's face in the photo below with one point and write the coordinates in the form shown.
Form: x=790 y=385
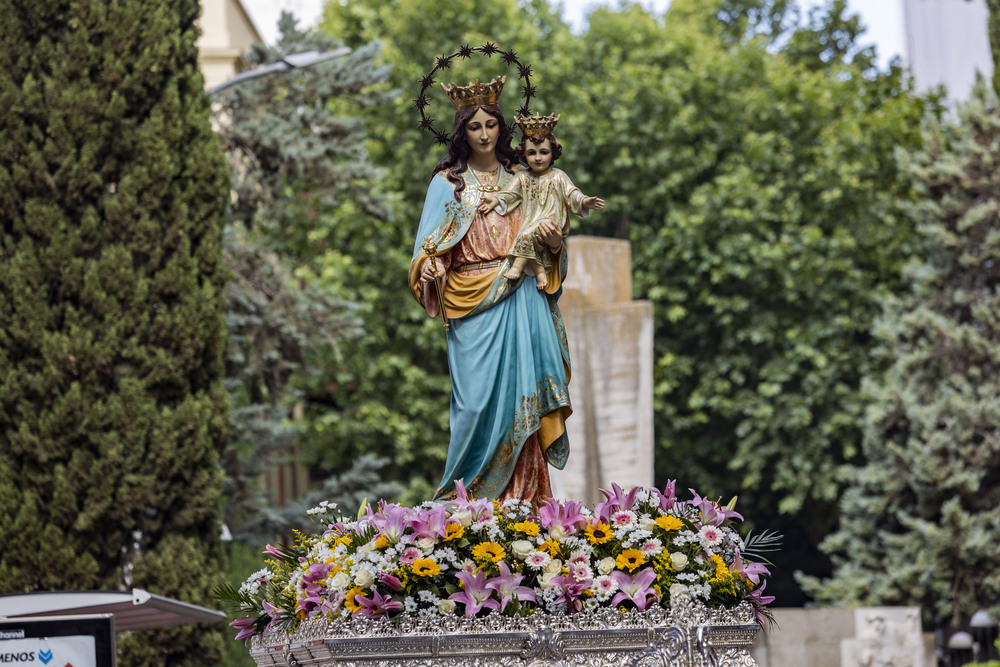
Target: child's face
x=539 y=156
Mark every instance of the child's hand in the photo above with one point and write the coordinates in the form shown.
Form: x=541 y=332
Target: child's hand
x=488 y=203
x=593 y=202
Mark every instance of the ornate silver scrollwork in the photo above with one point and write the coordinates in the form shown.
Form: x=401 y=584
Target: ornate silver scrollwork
x=544 y=643
x=688 y=635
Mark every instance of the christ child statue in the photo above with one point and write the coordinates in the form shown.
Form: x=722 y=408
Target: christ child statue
x=546 y=196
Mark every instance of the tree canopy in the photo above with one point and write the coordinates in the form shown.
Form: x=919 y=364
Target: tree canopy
x=920 y=524
x=113 y=411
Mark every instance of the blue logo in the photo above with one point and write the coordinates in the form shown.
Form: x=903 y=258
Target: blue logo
x=45 y=656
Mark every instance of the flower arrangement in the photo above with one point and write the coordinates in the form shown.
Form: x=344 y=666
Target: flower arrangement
x=476 y=556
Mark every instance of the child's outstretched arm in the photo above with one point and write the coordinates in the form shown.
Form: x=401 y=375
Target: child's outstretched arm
x=488 y=203
x=595 y=203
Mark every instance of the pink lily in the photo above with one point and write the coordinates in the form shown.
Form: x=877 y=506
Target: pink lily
x=759 y=601
x=480 y=508
x=508 y=587
x=567 y=515
x=430 y=523
x=392 y=521
x=667 y=497
x=616 y=499
x=712 y=513
x=391 y=581
x=476 y=595
x=637 y=590
x=376 y=606
x=247 y=626
x=750 y=571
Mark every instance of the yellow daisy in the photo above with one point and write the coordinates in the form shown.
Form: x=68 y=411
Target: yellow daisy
x=453 y=531
x=598 y=534
x=349 y=602
x=425 y=567
x=488 y=551
x=669 y=523
x=529 y=528
x=629 y=559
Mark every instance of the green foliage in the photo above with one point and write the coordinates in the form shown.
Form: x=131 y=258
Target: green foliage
x=304 y=197
x=759 y=199
x=922 y=522
x=112 y=405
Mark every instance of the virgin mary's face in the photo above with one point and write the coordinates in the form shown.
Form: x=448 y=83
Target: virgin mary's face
x=482 y=132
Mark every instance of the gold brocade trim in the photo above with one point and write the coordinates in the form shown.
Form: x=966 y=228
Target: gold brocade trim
x=551 y=395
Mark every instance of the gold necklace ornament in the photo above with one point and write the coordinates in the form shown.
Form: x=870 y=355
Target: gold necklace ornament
x=487 y=187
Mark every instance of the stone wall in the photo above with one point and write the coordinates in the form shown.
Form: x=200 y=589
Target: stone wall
x=862 y=637
x=611 y=388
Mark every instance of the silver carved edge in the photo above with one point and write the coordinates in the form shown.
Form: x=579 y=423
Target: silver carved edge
x=687 y=634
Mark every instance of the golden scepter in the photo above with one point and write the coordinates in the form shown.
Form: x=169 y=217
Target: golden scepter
x=430 y=248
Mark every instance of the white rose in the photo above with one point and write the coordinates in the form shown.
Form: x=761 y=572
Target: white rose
x=340 y=581
x=606 y=565
x=647 y=524
x=557 y=532
x=465 y=518
x=554 y=566
x=364 y=578
x=545 y=581
x=678 y=561
x=522 y=548
x=425 y=544
x=446 y=606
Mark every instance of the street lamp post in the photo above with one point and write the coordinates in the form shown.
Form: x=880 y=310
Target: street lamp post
x=289 y=62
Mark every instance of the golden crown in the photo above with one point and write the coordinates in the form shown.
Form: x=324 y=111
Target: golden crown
x=475 y=94
x=537 y=125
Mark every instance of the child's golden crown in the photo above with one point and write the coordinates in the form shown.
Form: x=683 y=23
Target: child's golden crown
x=475 y=94
x=537 y=125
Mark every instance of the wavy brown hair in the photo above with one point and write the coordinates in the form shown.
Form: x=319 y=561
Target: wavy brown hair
x=556 y=147
x=457 y=160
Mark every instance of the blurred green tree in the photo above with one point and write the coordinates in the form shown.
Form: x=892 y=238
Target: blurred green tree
x=113 y=411
x=748 y=153
x=921 y=523
x=305 y=199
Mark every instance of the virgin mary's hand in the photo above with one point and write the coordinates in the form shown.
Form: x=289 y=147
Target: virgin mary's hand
x=550 y=234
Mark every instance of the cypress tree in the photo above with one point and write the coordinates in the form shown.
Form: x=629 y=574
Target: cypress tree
x=112 y=405
x=921 y=525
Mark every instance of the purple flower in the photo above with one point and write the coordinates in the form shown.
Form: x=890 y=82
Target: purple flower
x=376 y=606
x=759 y=601
x=480 y=508
x=247 y=626
x=476 y=595
x=430 y=523
x=667 y=497
x=391 y=581
x=637 y=590
x=617 y=499
x=568 y=515
x=508 y=587
x=750 y=571
x=392 y=521
x=712 y=513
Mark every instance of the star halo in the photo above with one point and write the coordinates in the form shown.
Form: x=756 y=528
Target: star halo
x=444 y=62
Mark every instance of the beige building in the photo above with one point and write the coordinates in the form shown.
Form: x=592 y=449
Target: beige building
x=947 y=43
x=227 y=31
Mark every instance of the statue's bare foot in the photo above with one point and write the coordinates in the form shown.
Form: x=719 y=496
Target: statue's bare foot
x=513 y=274
x=541 y=280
